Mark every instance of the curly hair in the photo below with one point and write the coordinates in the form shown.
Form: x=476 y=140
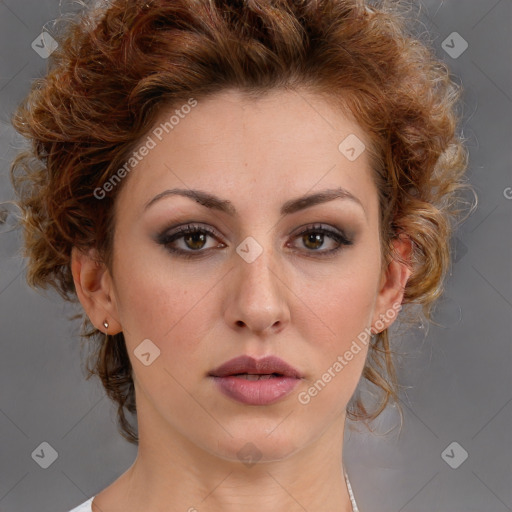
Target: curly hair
x=117 y=66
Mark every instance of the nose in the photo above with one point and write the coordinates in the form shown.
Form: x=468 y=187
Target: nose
x=257 y=295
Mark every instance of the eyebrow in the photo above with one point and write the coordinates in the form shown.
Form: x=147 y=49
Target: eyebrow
x=293 y=205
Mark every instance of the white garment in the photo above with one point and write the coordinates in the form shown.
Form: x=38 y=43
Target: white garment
x=86 y=506
x=350 y=493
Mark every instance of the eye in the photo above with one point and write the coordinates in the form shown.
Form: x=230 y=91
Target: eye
x=313 y=237
x=194 y=239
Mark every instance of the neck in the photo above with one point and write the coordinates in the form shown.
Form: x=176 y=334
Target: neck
x=179 y=475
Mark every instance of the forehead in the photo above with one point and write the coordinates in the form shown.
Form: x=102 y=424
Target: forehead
x=283 y=144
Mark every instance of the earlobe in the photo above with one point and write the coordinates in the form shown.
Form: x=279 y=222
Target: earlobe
x=94 y=289
x=393 y=282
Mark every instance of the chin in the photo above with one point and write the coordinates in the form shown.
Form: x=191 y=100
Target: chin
x=256 y=451
x=250 y=444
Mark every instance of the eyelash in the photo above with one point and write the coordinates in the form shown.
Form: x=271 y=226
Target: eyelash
x=166 y=239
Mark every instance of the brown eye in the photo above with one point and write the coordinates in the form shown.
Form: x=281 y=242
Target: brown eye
x=194 y=239
x=316 y=240
x=313 y=238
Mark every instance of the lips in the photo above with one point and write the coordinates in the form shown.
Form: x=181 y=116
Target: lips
x=256 y=381
x=246 y=365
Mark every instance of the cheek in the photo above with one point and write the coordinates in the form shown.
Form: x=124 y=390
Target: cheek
x=339 y=342
x=167 y=305
x=341 y=304
x=171 y=315
x=345 y=313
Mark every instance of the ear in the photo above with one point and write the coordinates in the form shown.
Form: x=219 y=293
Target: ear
x=94 y=288
x=392 y=284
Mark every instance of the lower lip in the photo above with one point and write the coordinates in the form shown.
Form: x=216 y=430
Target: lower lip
x=256 y=392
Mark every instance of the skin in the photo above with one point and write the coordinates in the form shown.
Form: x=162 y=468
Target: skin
x=291 y=302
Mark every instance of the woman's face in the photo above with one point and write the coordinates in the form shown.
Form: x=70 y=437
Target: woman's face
x=274 y=275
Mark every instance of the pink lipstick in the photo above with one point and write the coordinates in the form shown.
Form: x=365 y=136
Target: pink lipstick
x=256 y=381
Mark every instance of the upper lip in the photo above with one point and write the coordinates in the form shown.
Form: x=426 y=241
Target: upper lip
x=247 y=364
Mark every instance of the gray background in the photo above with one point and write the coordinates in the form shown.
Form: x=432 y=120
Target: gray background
x=457 y=377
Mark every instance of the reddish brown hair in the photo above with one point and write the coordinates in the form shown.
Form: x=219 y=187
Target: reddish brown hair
x=117 y=67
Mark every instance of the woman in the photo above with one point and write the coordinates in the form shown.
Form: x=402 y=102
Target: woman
x=241 y=195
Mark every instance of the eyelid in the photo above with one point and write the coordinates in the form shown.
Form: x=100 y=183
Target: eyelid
x=170 y=235
x=330 y=230
x=171 y=231
x=194 y=226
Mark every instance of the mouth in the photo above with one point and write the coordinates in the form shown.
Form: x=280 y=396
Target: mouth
x=246 y=366
x=258 y=376
x=256 y=381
